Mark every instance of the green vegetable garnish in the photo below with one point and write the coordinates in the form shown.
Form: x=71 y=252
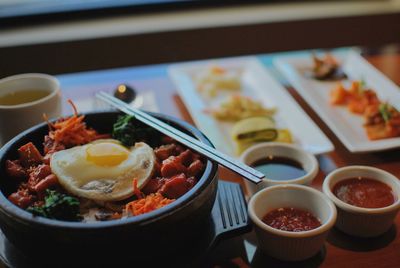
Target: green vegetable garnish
x=384 y=110
x=128 y=130
x=363 y=86
x=58 y=206
x=363 y=83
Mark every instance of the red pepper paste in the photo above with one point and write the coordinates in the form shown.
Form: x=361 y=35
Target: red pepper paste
x=291 y=219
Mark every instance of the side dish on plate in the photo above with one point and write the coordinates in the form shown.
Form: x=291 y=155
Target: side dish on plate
x=236 y=107
x=381 y=120
x=326 y=68
x=250 y=131
x=215 y=78
x=82 y=175
x=357 y=129
x=250 y=121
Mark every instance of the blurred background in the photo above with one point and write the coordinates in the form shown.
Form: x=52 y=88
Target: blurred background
x=64 y=36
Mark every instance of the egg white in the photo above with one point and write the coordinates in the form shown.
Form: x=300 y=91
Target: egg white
x=106 y=183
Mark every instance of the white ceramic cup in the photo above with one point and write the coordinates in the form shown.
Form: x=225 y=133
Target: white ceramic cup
x=17 y=118
x=358 y=221
x=285 y=245
x=263 y=150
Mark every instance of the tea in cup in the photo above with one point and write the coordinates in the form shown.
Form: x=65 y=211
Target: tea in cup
x=24 y=98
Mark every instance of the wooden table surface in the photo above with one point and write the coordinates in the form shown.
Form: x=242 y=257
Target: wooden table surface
x=340 y=250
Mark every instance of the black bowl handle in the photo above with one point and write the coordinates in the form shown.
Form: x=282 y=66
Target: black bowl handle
x=229 y=213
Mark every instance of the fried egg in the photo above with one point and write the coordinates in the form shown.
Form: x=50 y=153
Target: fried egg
x=104 y=169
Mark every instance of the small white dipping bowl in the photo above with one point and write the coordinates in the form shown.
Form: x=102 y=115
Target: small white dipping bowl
x=285 y=245
x=278 y=149
x=358 y=221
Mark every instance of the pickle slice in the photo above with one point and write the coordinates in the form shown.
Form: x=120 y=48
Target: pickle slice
x=254 y=129
x=249 y=131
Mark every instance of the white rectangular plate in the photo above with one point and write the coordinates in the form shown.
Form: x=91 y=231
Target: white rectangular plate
x=258 y=84
x=348 y=127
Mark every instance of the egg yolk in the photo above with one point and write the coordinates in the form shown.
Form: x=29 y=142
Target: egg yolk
x=106 y=154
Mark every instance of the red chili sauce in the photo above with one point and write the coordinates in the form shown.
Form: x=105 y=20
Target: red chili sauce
x=364 y=192
x=291 y=219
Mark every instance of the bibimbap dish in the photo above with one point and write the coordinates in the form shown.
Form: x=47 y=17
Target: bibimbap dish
x=88 y=185
x=82 y=175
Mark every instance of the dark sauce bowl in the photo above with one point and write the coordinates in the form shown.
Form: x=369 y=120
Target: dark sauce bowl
x=142 y=238
x=267 y=150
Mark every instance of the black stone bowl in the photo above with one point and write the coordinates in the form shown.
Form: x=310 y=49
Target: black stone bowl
x=146 y=239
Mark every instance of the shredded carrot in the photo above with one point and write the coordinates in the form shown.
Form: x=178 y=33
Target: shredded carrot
x=71 y=131
x=149 y=203
x=73 y=106
x=144 y=203
x=46 y=119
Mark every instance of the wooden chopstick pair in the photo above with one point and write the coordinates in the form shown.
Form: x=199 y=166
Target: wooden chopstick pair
x=192 y=143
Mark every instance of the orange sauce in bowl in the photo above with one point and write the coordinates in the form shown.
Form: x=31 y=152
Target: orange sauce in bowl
x=364 y=192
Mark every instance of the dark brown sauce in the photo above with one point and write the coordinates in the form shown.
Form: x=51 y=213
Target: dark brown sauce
x=279 y=168
x=364 y=192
